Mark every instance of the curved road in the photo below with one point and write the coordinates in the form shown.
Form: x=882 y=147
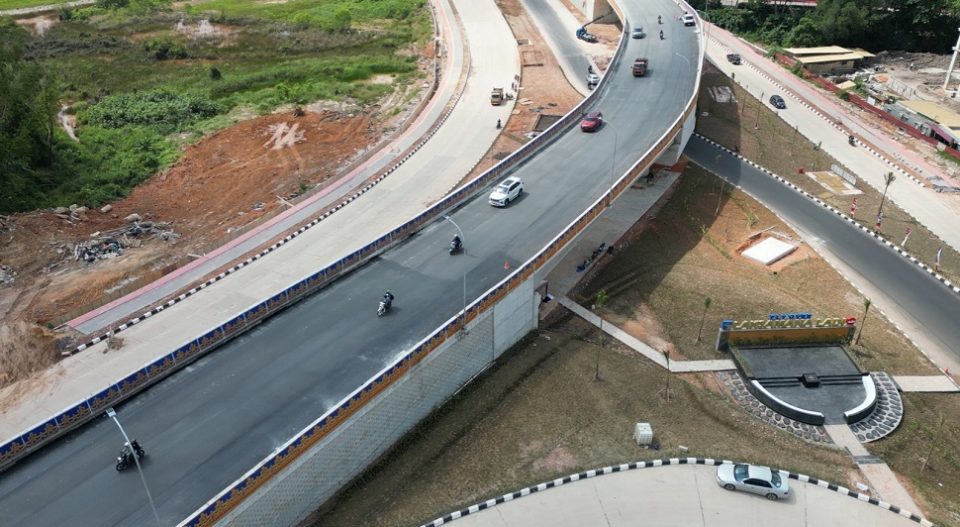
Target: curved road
x=923 y=299
x=208 y=424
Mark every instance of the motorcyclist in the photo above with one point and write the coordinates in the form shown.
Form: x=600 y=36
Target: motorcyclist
x=137 y=448
x=388 y=299
x=659 y=19
x=851 y=140
x=661 y=34
x=457 y=243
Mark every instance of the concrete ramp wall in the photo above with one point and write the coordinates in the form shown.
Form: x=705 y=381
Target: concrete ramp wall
x=321 y=471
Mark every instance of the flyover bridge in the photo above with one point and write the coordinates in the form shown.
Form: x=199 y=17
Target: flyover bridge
x=370 y=379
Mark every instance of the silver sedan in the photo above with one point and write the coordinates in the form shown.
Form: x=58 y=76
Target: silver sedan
x=753 y=478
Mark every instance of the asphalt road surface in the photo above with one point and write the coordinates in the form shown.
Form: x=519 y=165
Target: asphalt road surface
x=929 y=303
x=206 y=425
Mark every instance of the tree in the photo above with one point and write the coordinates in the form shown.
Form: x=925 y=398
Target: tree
x=806 y=33
x=29 y=101
x=863 y=319
x=888 y=178
x=598 y=305
x=706 y=306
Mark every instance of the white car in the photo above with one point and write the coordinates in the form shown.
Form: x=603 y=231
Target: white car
x=508 y=190
x=689 y=20
x=753 y=478
x=592 y=79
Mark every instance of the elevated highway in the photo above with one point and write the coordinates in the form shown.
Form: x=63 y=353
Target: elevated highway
x=205 y=426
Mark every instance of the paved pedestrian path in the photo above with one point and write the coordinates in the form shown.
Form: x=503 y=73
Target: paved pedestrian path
x=882 y=481
x=426 y=177
x=926 y=383
x=642 y=348
x=939 y=212
x=678 y=496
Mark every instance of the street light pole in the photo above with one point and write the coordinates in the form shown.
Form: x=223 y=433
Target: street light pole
x=463 y=240
x=112 y=414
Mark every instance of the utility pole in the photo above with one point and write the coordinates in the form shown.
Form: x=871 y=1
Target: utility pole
x=953 y=62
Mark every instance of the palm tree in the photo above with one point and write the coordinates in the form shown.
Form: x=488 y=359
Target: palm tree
x=863 y=320
x=887 y=179
x=706 y=306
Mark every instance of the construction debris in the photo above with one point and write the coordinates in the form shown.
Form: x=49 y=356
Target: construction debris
x=7 y=275
x=111 y=244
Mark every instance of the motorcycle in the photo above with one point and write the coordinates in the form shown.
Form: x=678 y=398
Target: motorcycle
x=661 y=34
x=384 y=307
x=455 y=245
x=125 y=459
x=851 y=140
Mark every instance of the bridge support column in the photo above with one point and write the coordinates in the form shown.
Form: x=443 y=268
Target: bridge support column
x=672 y=154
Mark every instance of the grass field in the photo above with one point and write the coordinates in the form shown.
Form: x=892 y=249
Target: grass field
x=226 y=55
x=19 y=4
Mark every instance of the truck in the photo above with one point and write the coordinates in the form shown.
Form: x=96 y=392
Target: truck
x=640 y=67
x=496 y=96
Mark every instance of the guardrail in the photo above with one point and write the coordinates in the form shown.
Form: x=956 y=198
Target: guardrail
x=223 y=503
x=76 y=415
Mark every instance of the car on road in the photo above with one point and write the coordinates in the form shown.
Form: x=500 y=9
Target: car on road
x=638 y=33
x=592 y=122
x=753 y=478
x=777 y=102
x=689 y=20
x=733 y=58
x=592 y=80
x=508 y=190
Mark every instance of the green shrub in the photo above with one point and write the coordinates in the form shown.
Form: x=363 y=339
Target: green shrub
x=162 y=108
x=164 y=49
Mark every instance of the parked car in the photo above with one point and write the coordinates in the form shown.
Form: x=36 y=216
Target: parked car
x=508 y=190
x=592 y=122
x=638 y=33
x=777 y=102
x=689 y=20
x=753 y=478
x=592 y=80
x=733 y=58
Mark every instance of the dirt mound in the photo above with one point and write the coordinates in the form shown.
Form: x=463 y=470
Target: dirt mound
x=223 y=183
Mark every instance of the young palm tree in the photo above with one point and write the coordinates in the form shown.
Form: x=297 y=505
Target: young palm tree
x=887 y=179
x=863 y=320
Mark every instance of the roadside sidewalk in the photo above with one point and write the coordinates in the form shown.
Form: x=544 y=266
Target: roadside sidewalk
x=423 y=179
x=939 y=212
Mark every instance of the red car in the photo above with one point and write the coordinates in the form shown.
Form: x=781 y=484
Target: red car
x=592 y=122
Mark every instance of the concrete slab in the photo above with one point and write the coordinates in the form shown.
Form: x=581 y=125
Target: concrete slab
x=795 y=361
x=926 y=383
x=769 y=250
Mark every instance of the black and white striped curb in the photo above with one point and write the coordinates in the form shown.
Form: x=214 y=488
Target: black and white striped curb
x=660 y=463
x=939 y=277
x=289 y=237
x=828 y=120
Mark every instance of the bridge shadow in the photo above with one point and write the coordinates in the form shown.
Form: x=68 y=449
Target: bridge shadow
x=667 y=264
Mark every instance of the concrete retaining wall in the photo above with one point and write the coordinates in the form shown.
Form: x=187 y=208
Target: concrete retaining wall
x=320 y=472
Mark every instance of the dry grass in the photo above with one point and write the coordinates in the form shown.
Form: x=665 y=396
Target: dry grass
x=921 y=436
x=689 y=254
x=538 y=414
